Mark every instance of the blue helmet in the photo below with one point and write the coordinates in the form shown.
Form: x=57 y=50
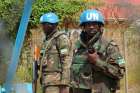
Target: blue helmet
x=91 y=16
x=49 y=17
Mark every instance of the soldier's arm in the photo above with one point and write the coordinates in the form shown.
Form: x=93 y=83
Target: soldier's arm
x=64 y=49
x=114 y=65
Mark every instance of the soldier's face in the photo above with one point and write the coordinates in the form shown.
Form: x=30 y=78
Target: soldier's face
x=48 y=28
x=92 y=28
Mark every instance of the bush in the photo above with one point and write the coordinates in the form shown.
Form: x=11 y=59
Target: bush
x=63 y=8
x=10 y=12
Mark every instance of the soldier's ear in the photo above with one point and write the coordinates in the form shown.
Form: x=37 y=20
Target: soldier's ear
x=82 y=26
x=102 y=29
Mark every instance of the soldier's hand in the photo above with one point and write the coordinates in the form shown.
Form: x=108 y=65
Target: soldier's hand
x=92 y=57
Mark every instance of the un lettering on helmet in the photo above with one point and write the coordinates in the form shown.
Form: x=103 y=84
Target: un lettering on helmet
x=92 y=16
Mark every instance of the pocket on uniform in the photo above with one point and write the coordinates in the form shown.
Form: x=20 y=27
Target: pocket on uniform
x=52 y=78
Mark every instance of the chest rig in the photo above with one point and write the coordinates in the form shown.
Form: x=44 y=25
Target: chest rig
x=82 y=70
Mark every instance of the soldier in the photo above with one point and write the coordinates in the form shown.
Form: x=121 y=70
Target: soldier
x=97 y=66
x=55 y=62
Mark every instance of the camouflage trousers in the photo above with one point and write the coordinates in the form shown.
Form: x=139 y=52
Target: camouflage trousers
x=52 y=83
x=56 y=89
x=97 y=88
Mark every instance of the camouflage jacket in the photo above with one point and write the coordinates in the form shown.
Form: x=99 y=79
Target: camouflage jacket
x=55 y=59
x=108 y=69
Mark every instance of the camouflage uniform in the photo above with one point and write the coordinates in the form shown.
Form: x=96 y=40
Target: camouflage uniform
x=104 y=76
x=55 y=63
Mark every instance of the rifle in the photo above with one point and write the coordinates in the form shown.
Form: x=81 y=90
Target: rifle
x=35 y=68
x=89 y=46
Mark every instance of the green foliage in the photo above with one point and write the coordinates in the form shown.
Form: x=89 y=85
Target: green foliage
x=63 y=8
x=67 y=10
x=10 y=12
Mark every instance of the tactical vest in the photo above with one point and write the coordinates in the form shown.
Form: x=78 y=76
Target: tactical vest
x=82 y=71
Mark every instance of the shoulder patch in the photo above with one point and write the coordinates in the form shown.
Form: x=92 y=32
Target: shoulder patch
x=64 y=51
x=120 y=61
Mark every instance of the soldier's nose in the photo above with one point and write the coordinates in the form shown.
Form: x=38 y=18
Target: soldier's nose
x=91 y=26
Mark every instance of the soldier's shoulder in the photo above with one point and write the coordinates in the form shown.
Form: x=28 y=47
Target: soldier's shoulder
x=108 y=42
x=62 y=35
x=62 y=38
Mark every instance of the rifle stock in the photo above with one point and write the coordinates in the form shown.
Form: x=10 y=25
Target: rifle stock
x=35 y=68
